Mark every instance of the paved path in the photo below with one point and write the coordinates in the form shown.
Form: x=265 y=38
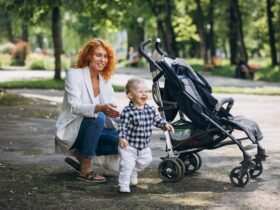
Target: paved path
x=123 y=74
x=119 y=78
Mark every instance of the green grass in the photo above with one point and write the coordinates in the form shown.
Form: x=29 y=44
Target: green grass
x=271 y=74
x=43 y=84
x=11 y=99
x=34 y=84
x=264 y=73
x=254 y=91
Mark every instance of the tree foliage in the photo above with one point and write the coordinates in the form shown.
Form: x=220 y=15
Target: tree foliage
x=175 y=21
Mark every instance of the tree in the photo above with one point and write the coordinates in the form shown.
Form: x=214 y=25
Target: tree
x=25 y=33
x=271 y=33
x=236 y=36
x=211 y=32
x=57 y=41
x=201 y=31
x=6 y=19
x=162 y=11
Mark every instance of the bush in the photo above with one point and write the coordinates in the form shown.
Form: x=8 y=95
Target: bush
x=6 y=48
x=271 y=74
x=37 y=65
x=45 y=62
x=5 y=60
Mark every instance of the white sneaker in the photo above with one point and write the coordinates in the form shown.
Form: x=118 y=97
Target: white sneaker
x=124 y=190
x=133 y=179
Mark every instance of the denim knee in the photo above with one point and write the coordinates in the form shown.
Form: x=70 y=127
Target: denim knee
x=89 y=133
x=99 y=120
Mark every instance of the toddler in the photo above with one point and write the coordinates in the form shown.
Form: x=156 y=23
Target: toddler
x=135 y=130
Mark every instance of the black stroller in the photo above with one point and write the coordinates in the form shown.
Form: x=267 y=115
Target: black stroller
x=204 y=123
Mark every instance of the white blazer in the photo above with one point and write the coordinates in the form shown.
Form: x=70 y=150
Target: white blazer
x=78 y=102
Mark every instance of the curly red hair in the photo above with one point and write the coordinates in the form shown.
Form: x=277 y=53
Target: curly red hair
x=86 y=53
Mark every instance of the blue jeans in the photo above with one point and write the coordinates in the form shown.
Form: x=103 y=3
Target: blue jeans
x=94 y=139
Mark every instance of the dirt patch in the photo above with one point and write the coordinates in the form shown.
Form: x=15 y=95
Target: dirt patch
x=16 y=106
x=33 y=186
x=12 y=99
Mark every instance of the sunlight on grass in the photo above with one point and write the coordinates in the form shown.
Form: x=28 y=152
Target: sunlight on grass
x=11 y=99
x=43 y=84
x=255 y=91
x=268 y=74
x=34 y=84
x=265 y=72
x=191 y=198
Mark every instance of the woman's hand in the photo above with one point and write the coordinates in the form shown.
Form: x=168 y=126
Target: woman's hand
x=169 y=128
x=110 y=110
x=123 y=143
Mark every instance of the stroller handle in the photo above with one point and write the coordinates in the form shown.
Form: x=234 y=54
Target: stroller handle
x=219 y=105
x=141 y=48
x=148 y=58
x=159 y=50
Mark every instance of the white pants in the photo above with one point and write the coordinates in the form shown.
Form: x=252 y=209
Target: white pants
x=132 y=161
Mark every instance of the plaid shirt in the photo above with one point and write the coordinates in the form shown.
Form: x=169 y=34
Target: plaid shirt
x=136 y=125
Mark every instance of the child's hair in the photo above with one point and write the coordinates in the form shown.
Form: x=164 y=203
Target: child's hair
x=132 y=84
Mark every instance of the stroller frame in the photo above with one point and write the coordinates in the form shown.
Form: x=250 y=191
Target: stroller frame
x=185 y=162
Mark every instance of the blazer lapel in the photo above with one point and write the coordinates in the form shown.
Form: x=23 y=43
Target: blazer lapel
x=89 y=84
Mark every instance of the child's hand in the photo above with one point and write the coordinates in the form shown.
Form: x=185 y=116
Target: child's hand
x=123 y=143
x=169 y=128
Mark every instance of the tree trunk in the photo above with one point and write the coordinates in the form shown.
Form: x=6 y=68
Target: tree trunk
x=163 y=14
x=160 y=34
x=279 y=43
x=243 y=52
x=39 y=40
x=170 y=34
x=211 y=33
x=201 y=31
x=271 y=32
x=135 y=35
x=24 y=28
x=9 y=27
x=224 y=48
x=57 y=41
x=232 y=34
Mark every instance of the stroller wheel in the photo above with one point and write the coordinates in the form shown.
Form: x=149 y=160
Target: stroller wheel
x=255 y=172
x=182 y=165
x=169 y=170
x=238 y=177
x=199 y=161
x=191 y=163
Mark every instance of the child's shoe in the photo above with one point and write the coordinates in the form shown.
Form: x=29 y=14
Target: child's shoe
x=134 y=179
x=124 y=190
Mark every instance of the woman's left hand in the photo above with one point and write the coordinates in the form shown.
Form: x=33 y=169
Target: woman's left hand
x=110 y=110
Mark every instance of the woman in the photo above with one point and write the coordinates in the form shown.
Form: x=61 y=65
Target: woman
x=84 y=125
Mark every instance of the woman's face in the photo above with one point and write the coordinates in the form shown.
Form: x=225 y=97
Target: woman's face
x=99 y=59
